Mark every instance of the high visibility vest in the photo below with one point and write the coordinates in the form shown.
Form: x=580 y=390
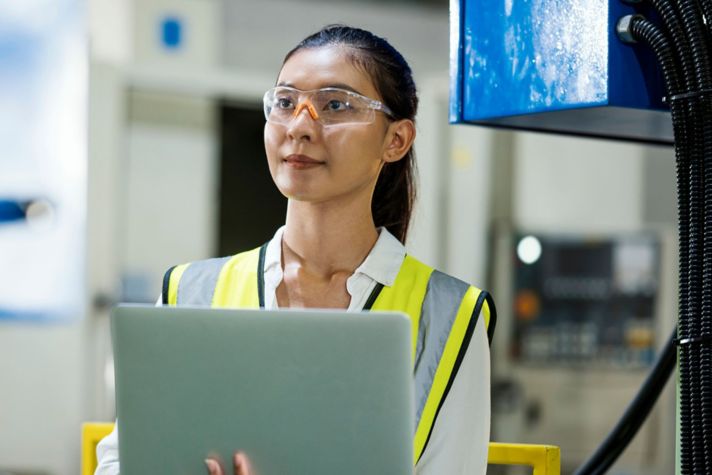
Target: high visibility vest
x=443 y=311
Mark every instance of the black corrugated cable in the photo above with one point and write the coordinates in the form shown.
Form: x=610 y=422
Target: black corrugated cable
x=636 y=28
x=707 y=11
x=673 y=27
x=649 y=34
x=703 y=348
x=695 y=382
x=691 y=16
x=691 y=109
x=687 y=81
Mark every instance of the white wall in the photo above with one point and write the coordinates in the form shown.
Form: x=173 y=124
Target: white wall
x=42 y=395
x=568 y=184
x=465 y=242
x=43 y=132
x=111 y=30
x=170 y=193
x=201 y=33
x=52 y=379
x=258 y=34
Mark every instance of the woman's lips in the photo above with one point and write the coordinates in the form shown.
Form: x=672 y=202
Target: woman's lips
x=301 y=162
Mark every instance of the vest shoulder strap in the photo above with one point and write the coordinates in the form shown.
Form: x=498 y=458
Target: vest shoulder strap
x=407 y=292
x=444 y=312
x=222 y=282
x=443 y=361
x=241 y=281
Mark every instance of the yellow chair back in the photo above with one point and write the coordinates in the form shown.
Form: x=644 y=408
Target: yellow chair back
x=544 y=459
x=92 y=433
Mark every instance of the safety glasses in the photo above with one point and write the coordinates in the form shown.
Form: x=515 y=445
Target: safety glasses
x=329 y=106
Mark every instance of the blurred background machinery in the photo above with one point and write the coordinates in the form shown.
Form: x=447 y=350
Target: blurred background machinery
x=581 y=302
x=621 y=70
x=584 y=316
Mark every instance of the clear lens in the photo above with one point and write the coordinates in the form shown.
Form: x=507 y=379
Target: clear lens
x=332 y=106
x=280 y=104
x=340 y=107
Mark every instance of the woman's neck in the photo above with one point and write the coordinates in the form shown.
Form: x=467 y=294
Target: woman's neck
x=329 y=237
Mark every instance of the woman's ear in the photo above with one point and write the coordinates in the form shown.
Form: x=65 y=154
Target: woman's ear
x=399 y=139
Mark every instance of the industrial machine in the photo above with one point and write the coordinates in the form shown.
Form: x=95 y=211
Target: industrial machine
x=620 y=70
x=554 y=65
x=582 y=302
x=581 y=317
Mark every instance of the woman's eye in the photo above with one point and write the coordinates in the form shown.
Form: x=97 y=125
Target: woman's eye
x=283 y=103
x=336 y=105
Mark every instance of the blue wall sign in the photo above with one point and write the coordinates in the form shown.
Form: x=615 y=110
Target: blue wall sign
x=172 y=32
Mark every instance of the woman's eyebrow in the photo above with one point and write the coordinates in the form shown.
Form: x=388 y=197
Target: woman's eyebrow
x=337 y=85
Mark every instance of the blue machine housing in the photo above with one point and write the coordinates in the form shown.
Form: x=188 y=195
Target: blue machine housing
x=554 y=65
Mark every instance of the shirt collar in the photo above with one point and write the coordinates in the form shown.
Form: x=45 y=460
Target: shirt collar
x=273 y=253
x=385 y=259
x=382 y=264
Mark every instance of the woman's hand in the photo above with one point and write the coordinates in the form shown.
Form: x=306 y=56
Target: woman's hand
x=241 y=465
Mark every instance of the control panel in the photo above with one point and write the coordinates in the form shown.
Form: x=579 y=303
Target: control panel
x=585 y=301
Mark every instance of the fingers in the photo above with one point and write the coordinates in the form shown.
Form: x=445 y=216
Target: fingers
x=214 y=467
x=242 y=464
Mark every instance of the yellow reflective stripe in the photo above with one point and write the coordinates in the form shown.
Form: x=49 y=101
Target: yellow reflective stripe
x=406 y=294
x=444 y=371
x=173 y=281
x=485 y=312
x=237 y=283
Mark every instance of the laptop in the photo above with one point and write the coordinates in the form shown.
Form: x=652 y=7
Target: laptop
x=300 y=392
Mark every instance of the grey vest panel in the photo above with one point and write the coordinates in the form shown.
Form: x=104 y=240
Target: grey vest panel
x=197 y=285
x=443 y=297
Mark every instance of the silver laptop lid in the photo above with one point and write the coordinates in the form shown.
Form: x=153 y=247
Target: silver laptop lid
x=300 y=392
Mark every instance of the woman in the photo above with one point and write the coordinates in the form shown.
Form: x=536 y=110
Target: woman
x=339 y=135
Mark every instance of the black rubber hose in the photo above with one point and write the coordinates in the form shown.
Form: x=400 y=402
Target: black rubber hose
x=692 y=429
x=673 y=27
x=705 y=357
x=693 y=139
x=695 y=387
x=618 y=439
x=649 y=34
x=635 y=414
x=696 y=359
x=704 y=348
x=707 y=11
x=698 y=429
x=692 y=22
x=681 y=126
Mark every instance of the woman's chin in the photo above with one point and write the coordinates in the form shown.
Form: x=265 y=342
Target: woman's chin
x=298 y=193
x=299 y=189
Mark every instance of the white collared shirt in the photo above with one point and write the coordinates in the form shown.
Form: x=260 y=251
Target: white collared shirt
x=380 y=266
x=459 y=440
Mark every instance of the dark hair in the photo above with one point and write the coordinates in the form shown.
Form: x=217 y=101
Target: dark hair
x=394 y=196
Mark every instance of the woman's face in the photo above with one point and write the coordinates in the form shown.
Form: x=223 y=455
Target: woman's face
x=346 y=158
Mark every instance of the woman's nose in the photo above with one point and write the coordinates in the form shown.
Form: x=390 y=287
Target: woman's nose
x=309 y=108
x=304 y=123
